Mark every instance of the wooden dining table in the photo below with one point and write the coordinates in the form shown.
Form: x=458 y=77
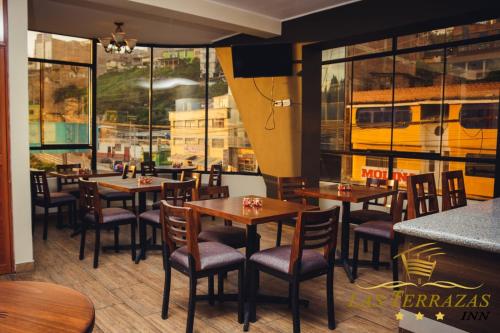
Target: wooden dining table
x=232 y=209
x=131 y=185
x=75 y=174
x=40 y=307
x=175 y=170
x=358 y=194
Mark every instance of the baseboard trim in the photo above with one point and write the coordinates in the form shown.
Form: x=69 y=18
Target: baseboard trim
x=25 y=267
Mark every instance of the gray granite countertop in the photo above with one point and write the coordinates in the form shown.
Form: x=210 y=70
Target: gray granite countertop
x=476 y=226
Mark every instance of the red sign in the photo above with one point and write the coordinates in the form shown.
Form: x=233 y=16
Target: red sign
x=382 y=173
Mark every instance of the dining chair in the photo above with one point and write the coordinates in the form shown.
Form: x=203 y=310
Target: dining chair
x=286 y=188
x=42 y=197
x=110 y=195
x=95 y=217
x=453 y=190
x=148 y=168
x=422 y=195
x=215 y=177
x=380 y=231
x=176 y=194
x=183 y=252
x=226 y=234
x=300 y=261
x=69 y=185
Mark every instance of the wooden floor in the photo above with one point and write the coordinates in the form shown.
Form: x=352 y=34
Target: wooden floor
x=127 y=297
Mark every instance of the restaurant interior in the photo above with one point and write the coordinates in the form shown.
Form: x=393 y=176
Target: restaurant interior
x=256 y=166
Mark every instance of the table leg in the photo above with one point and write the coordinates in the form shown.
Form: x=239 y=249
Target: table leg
x=174 y=175
x=344 y=243
x=142 y=202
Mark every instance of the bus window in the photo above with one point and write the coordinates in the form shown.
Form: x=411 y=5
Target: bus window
x=484 y=115
x=475 y=169
x=433 y=111
x=382 y=117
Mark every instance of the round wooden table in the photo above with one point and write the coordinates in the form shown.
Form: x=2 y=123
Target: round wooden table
x=175 y=171
x=27 y=306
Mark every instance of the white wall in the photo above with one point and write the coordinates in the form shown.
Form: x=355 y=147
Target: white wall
x=19 y=129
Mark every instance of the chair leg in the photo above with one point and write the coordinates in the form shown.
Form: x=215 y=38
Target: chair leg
x=241 y=288
x=278 y=234
x=376 y=255
x=142 y=239
x=166 y=292
x=355 y=257
x=45 y=222
x=134 y=208
x=133 y=249
x=330 y=299
x=290 y=295
x=97 y=245
x=365 y=245
x=108 y=203
x=192 y=302
x=124 y=204
x=117 y=238
x=154 y=236
x=252 y=273
x=394 y=252
x=211 y=289
x=82 y=242
x=295 y=306
x=220 y=286
x=59 y=224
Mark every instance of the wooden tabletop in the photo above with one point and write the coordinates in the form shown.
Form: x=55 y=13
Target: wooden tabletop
x=92 y=174
x=27 y=306
x=170 y=168
x=359 y=193
x=131 y=185
x=232 y=209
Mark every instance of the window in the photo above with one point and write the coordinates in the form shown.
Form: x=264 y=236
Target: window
x=122 y=105
x=483 y=170
x=480 y=116
x=382 y=117
x=59 y=72
x=433 y=111
x=229 y=142
x=217 y=143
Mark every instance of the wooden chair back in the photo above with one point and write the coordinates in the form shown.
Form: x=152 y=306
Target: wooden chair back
x=453 y=189
x=422 y=195
x=314 y=230
x=389 y=201
x=62 y=168
x=90 y=201
x=214 y=192
x=287 y=186
x=39 y=185
x=179 y=192
x=148 y=168
x=215 y=178
x=179 y=229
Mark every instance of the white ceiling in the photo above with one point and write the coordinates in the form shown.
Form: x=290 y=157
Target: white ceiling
x=172 y=21
x=284 y=9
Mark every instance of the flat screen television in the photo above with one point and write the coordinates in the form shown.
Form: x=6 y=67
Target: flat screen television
x=263 y=60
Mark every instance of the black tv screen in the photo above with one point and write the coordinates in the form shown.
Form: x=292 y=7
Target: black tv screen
x=264 y=60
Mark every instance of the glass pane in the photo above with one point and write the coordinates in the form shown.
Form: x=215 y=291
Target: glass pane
x=474 y=30
x=417 y=102
x=57 y=47
x=404 y=167
x=34 y=90
x=122 y=107
x=48 y=159
x=372 y=104
x=65 y=104
x=335 y=106
x=332 y=54
x=377 y=46
x=422 y=39
x=178 y=106
x=368 y=167
x=227 y=139
x=472 y=92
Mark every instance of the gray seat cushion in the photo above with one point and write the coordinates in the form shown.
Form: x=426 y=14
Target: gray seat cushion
x=376 y=228
x=151 y=216
x=231 y=236
x=112 y=215
x=278 y=259
x=115 y=195
x=212 y=255
x=365 y=215
x=58 y=198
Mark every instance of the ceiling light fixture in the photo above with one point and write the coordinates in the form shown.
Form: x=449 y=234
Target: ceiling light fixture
x=117 y=43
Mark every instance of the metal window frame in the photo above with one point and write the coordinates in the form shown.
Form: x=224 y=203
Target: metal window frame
x=93 y=139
